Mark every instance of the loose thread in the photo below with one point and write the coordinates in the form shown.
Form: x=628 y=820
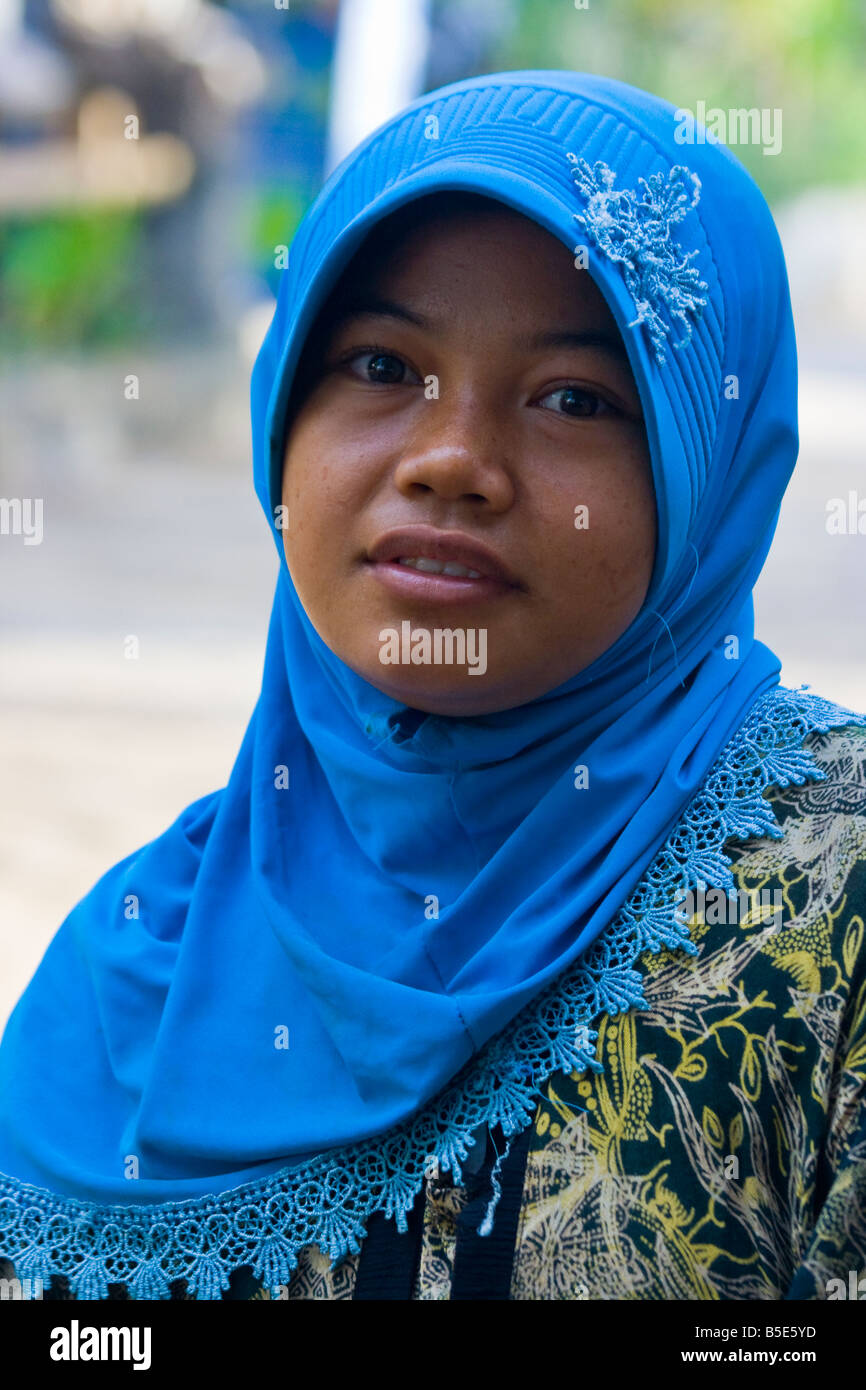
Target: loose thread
x=674 y=612
x=487 y=1224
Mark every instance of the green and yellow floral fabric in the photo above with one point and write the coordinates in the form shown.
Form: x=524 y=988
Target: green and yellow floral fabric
x=721 y=1153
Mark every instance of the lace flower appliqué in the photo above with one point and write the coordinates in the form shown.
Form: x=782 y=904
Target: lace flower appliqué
x=634 y=228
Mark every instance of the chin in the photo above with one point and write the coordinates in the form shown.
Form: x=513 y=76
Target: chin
x=459 y=701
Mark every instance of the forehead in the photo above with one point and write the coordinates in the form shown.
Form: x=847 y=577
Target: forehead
x=473 y=250
x=449 y=221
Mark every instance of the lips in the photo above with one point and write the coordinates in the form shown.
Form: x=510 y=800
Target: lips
x=447 y=548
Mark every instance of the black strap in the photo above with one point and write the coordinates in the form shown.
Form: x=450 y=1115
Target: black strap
x=388 y=1265
x=483 y=1264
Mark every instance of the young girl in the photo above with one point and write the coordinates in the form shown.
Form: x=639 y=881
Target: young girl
x=523 y=954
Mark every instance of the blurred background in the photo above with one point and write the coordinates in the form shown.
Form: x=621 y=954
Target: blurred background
x=155 y=155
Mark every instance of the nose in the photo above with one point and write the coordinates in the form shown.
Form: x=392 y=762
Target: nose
x=457 y=450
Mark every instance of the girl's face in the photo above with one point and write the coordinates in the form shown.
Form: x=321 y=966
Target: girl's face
x=473 y=406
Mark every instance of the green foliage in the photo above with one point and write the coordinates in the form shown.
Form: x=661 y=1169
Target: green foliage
x=69 y=279
x=804 y=58
x=271 y=219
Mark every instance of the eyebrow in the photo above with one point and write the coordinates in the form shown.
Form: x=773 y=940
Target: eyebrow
x=368 y=305
x=372 y=305
x=567 y=338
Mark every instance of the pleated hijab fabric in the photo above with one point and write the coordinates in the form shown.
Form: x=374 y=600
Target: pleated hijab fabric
x=148 y=1031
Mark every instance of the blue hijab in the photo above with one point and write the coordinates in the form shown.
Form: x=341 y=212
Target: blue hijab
x=234 y=1010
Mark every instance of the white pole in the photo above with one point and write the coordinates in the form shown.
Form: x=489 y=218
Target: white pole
x=379 y=61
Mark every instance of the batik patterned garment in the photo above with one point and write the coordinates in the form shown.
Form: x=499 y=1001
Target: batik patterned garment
x=721 y=1153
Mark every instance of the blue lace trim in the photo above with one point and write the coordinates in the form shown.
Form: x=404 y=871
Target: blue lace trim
x=634 y=230
x=264 y=1224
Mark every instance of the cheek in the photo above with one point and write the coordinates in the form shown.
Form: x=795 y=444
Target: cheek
x=316 y=485
x=604 y=554
x=306 y=489
x=627 y=527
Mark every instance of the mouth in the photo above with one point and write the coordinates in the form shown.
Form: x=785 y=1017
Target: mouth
x=451 y=554
x=428 y=566
x=421 y=563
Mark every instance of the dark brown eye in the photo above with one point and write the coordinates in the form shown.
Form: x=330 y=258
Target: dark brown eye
x=378 y=366
x=576 y=402
x=384 y=368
